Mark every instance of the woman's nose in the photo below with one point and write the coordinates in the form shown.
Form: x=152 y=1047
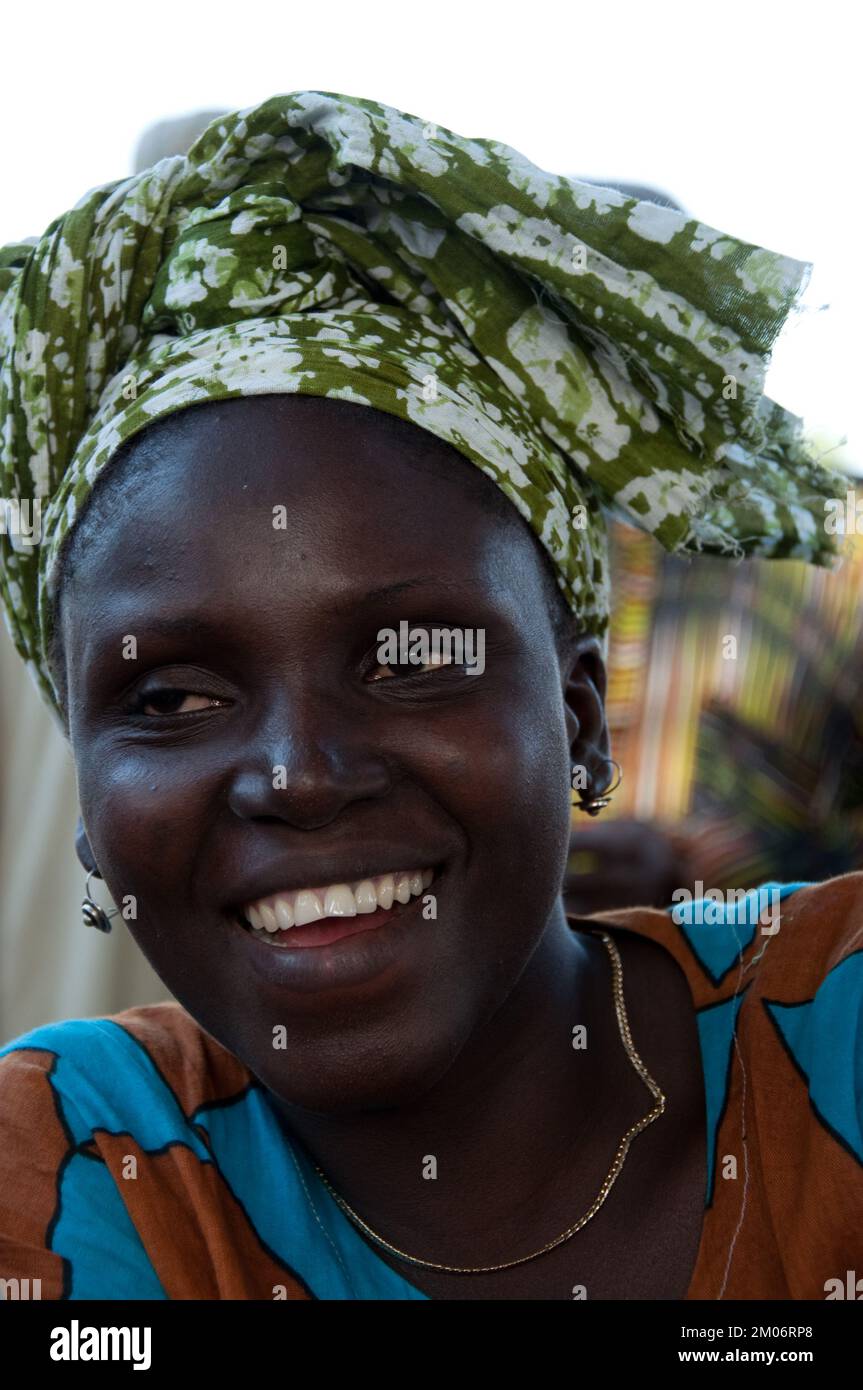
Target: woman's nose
x=304 y=765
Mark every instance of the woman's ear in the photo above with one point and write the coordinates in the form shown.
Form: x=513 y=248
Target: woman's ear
x=584 y=696
x=83 y=850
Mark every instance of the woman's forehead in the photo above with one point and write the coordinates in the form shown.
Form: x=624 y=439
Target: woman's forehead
x=304 y=443
x=233 y=504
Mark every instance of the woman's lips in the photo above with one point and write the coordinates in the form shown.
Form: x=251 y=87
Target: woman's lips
x=311 y=917
x=365 y=964
x=330 y=929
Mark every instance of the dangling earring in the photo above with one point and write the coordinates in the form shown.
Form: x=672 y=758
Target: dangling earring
x=93 y=914
x=595 y=804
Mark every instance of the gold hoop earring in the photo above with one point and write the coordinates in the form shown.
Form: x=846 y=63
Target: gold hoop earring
x=93 y=914
x=595 y=804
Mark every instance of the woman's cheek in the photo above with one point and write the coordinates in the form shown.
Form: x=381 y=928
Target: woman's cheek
x=141 y=816
x=506 y=768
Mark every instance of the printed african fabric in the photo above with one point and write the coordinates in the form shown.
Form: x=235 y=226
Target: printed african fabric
x=132 y=1148
x=584 y=348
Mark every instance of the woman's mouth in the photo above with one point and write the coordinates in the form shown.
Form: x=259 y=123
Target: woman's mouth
x=317 y=916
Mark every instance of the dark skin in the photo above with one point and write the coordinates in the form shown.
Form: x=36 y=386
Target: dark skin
x=267 y=659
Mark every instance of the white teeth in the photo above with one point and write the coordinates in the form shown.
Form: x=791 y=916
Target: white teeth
x=366 y=897
x=284 y=914
x=340 y=902
x=268 y=918
x=385 y=888
x=286 y=910
x=307 y=908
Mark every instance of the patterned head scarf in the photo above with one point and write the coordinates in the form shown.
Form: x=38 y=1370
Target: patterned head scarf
x=585 y=349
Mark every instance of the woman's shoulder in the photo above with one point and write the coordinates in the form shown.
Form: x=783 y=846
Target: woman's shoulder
x=776 y=977
x=106 y=1068
x=777 y=982
x=116 y=1134
x=787 y=939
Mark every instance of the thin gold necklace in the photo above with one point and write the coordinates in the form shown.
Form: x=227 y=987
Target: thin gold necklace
x=611 y=1177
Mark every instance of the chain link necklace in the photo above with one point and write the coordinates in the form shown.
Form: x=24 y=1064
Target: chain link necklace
x=611 y=1176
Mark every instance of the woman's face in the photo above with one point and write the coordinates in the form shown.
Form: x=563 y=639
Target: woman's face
x=236 y=736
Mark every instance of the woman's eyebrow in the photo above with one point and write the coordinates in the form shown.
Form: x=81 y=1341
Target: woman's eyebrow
x=202 y=629
x=389 y=591
x=183 y=625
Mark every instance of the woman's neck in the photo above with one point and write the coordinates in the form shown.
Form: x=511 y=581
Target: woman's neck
x=443 y=1176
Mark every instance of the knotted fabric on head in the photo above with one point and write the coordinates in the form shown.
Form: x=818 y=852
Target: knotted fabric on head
x=584 y=348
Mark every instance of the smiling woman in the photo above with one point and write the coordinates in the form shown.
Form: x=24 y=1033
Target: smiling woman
x=337 y=372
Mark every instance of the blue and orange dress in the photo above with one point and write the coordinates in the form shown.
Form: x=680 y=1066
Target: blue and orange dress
x=132 y=1147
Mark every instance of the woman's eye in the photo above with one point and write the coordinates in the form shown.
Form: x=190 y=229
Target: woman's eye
x=171 y=700
x=410 y=668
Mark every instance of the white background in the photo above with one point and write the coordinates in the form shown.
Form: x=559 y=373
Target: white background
x=747 y=113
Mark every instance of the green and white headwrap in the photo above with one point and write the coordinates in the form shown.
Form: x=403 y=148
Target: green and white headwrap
x=585 y=349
